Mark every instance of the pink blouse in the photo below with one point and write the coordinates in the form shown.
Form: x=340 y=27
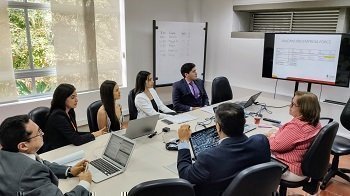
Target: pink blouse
x=291 y=142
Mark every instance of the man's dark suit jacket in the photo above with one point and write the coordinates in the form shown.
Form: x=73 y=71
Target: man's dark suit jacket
x=59 y=131
x=215 y=168
x=21 y=175
x=183 y=98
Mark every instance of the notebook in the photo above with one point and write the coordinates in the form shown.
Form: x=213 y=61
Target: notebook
x=204 y=139
x=141 y=127
x=114 y=159
x=208 y=138
x=250 y=101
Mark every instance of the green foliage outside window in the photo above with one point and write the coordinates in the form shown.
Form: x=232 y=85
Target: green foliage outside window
x=42 y=49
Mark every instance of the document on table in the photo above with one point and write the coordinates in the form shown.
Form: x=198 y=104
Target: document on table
x=208 y=109
x=71 y=159
x=181 y=118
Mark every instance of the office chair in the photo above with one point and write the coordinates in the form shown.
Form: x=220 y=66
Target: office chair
x=220 y=90
x=91 y=113
x=341 y=146
x=315 y=161
x=131 y=105
x=168 y=187
x=258 y=180
x=39 y=116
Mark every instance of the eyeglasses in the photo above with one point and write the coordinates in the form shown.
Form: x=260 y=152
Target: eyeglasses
x=293 y=104
x=40 y=133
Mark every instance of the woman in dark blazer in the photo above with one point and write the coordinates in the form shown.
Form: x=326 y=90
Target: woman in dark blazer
x=61 y=127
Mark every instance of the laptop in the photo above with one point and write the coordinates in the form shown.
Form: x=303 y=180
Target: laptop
x=208 y=138
x=250 y=101
x=141 y=127
x=114 y=159
x=204 y=139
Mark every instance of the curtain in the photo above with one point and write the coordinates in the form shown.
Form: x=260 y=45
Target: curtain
x=87 y=42
x=7 y=79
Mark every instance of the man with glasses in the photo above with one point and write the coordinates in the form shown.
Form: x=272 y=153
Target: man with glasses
x=215 y=168
x=22 y=172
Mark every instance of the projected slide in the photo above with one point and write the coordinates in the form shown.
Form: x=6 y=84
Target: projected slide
x=312 y=58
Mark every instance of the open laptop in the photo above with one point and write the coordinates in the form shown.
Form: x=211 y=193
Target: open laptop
x=250 y=101
x=141 y=127
x=204 y=139
x=208 y=138
x=114 y=159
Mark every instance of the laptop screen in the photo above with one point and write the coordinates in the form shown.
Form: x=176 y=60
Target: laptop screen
x=204 y=139
x=119 y=150
x=251 y=100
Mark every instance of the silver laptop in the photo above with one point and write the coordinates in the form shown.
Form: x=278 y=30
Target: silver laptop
x=114 y=159
x=140 y=127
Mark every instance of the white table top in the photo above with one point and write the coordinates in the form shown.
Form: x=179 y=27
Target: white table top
x=150 y=158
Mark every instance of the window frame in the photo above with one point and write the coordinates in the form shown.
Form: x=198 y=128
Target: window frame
x=32 y=72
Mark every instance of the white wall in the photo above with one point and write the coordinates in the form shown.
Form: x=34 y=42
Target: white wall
x=238 y=59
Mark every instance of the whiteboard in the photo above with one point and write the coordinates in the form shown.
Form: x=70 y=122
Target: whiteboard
x=177 y=43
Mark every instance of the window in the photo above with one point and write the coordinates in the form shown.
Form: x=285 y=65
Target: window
x=47 y=42
x=324 y=21
x=32 y=46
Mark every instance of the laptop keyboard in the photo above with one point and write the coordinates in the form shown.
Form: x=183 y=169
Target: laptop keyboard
x=104 y=166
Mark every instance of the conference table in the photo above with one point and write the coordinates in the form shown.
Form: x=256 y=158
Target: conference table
x=150 y=160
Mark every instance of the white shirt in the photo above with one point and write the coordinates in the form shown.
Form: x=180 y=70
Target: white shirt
x=145 y=108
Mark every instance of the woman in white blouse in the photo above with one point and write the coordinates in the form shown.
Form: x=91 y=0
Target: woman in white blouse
x=147 y=101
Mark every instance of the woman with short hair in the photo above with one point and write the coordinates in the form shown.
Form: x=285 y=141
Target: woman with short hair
x=293 y=139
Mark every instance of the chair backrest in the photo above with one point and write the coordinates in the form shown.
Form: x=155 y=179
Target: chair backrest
x=92 y=115
x=131 y=105
x=345 y=116
x=220 y=90
x=39 y=116
x=316 y=159
x=168 y=187
x=258 y=180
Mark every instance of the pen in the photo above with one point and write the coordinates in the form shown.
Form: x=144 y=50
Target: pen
x=86 y=167
x=262 y=126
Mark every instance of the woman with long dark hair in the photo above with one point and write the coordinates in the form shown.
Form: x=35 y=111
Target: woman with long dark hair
x=61 y=126
x=109 y=114
x=147 y=100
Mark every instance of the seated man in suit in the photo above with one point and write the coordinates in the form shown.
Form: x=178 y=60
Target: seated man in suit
x=189 y=93
x=215 y=168
x=22 y=172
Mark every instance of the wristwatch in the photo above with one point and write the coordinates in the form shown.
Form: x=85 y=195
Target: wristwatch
x=69 y=174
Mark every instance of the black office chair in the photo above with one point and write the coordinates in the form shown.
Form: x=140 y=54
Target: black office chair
x=92 y=115
x=220 y=90
x=315 y=161
x=168 y=187
x=341 y=146
x=39 y=116
x=258 y=180
x=131 y=105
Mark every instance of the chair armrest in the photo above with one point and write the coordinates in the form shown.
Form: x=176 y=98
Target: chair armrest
x=326 y=118
x=283 y=166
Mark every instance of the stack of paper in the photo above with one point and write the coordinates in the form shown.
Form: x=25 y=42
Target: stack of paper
x=181 y=118
x=71 y=159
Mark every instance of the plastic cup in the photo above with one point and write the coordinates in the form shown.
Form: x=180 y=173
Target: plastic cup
x=257 y=120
